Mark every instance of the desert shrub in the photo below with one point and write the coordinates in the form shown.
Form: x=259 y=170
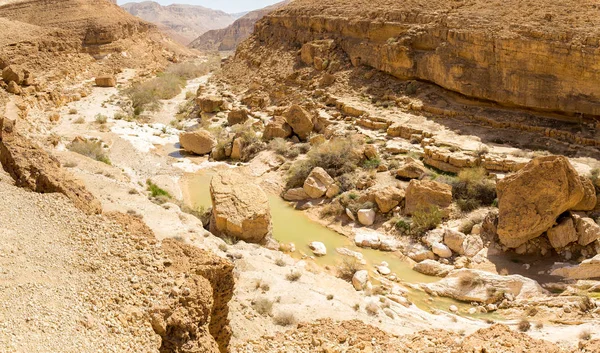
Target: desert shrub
x=284 y=318
x=155 y=190
x=72 y=111
x=101 y=119
x=329 y=296
x=371 y=163
x=426 y=219
x=372 y=308
x=279 y=146
x=91 y=149
x=348 y=267
x=403 y=225
x=471 y=282
x=585 y=335
x=524 y=325
x=263 y=306
x=335 y=156
x=223 y=247
x=79 y=120
x=280 y=262
x=356 y=307
x=188 y=70
x=472 y=189
x=332 y=209
x=293 y=276
x=146 y=95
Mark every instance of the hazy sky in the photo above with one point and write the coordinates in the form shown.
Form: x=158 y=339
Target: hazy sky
x=229 y=6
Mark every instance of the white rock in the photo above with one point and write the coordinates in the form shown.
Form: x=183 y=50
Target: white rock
x=350 y=215
x=318 y=248
x=453 y=308
x=472 y=311
x=360 y=279
x=367 y=239
x=441 y=250
x=366 y=217
x=384 y=270
x=348 y=252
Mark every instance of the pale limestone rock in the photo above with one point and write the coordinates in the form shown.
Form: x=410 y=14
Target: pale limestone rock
x=199 y=142
x=317 y=183
x=297 y=194
x=562 y=234
x=367 y=239
x=587 y=269
x=366 y=217
x=441 y=250
x=239 y=209
x=210 y=104
x=360 y=279
x=454 y=240
x=433 y=268
x=411 y=170
x=588 y=231
x=332 y=191
x=300 y=121
x=472 y=245
x=483 y=287
x=318 y=248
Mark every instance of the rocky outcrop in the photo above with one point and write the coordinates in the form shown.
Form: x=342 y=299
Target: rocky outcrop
x=183 y=23
x=530 y=200
x=317 y=183
x=484 y=287
x=587 y=269
x=474 y=50
x=422 y=195
x=32 y=168
x=228 y=38
x=300 y=121
x=239 y=209
x=199 y=142
x=277 y=127
x=195 y=320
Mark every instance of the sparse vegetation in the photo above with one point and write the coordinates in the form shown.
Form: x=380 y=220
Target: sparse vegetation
x=72 y=111
x=426 y=219
x=329 y=296
x=146 y=95
x=472 y=189
x=524 y=325
x=403 y=225
x=79 y=120
x=263 y=306
x=284 y=318
x=371 y=163
x=101 y=119
x=91 y=149
x=372 y=308
x=293 y=276
x=585 y=335
x=155 y=190
x=348 y=267
x=280 y=262
x=335 y=156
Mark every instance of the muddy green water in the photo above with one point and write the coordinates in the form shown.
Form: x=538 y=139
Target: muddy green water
x=292 y=226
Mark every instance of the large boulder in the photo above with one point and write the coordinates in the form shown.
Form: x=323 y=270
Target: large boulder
x=106 y=81
x=562 y=234
x=237 y=116
x=588 y=231
x=297 y=194
x=587 y=269
x=317 y=183
x=411 y=170
x=484 y=287
x=433 y=268
x=590 y=199
x=240 y=208
x=210 y=104
x=199 y=142
x=424 y=194
x=360 y=279
x=530 y=200
x=387 y=198
x=300 y=121
x=277 y=127
x=366 y=217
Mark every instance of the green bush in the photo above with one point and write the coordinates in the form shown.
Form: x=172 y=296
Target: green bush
x=145 y=96
x=336 y=157
x=371 y=163
x=155 y=190
x=426 y=219
x=403 y=226
x=472 y=189
x=101 y=119
x=91 y=149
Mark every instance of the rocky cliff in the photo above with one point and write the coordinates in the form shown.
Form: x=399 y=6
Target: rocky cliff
x=183 y=23
x=228 y=38
x=537 y=54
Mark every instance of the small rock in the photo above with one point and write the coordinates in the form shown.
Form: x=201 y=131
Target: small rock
x=360 y=279
x=318 y=248
x=441 y=250
x=366 y=217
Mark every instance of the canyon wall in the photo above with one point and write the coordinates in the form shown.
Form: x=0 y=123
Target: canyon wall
x=545 y=62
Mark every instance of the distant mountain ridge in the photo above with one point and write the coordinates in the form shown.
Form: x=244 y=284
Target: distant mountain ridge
x=229 y=38
x=181 y=22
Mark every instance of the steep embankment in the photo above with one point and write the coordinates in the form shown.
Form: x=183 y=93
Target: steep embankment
x=228 y=38
x=181 y=22
x=537 y=54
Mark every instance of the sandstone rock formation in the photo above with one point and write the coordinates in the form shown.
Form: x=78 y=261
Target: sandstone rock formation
x=471 y=50
x=34 y=169
x=433 y=268
x=240 y=209
x=530 y=200
x=562 y=234
x=422 y=195
x=300 y=121
x=228 y=38
x=106 y=81
x=388 y=198
x=317 y=183
x=411 y=170
x=277 y=127
x=199 y=142
x=587 y=269
x=237 y=116
x=183 y=23
x=484 y=287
